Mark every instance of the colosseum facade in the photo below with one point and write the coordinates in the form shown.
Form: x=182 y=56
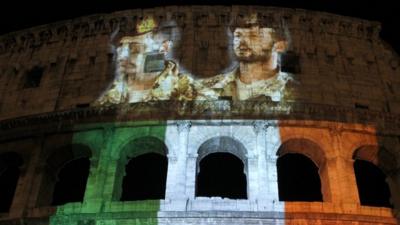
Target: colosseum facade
x=182 y=87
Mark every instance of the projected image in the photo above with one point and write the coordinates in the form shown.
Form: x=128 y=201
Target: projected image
x=148 y=69
x=144 y=74
x=258 y=74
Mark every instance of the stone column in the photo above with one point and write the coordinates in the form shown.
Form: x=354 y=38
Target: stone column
x=103 y=176
x=18 y=205
x=26 y=191
x=172 y=177
x=252 y=177
x=267 y=137
x=191 y=174
x=259 y=151
x=43 y=189
x=110 y=176
x=190 y=171
x=272 y=180
x=393 y=180
x=91 y=186
x=267 y=134
x=338 y=179
x=273 y=140
x=176 y=177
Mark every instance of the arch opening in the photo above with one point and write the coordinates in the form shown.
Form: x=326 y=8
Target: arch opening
x=143 y=145
x=371 y=182
x=222 y=144
x=9 y=174
x=71 y=182
x=298 y=179
x=64 y=175
x=145 y=177
x=227 y=181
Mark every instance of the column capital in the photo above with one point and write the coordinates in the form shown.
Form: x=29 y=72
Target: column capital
x=262 y=125
x=172 y=157
x=252 y=156
x=341 y=158
x=336 y=159
x=271 y=158
x=192 y=156
x=183 y=125
x=336 y=130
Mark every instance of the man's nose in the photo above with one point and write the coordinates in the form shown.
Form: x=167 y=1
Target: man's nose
x=243 y=43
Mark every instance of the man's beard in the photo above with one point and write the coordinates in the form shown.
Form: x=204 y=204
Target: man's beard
x=264 y=56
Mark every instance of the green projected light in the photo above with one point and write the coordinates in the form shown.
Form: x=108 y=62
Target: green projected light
x=112 y=145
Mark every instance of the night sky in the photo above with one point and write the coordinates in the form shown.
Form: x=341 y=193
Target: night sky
x=17 y=15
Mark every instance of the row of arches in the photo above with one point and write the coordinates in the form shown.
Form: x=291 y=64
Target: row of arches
x=221 y=172
x=298 y=179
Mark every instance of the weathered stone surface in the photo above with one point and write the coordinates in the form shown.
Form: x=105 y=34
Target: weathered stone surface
x=345 y=104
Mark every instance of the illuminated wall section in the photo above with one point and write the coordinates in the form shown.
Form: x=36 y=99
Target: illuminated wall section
x=191 y=85
x=187 y=142
x=152 y=64
x=112 y=148
x=257 y=143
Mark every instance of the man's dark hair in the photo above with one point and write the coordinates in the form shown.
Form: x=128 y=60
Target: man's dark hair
x=245 y=21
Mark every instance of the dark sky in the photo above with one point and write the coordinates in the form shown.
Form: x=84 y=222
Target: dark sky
x=17 y=15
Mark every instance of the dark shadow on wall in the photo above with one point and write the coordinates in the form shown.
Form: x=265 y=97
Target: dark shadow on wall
x=64 y=175
x=71 y=183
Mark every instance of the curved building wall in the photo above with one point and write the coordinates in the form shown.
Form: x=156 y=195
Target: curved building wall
x=340 y=61
x=187 y=82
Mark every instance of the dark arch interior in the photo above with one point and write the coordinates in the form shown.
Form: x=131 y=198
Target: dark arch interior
x=298 y=179
x=221 y=174
x=71 y=183
x=9 y=175
x=372 y=187
x=145 y=178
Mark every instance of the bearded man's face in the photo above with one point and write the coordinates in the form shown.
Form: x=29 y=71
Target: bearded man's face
x=253 y=43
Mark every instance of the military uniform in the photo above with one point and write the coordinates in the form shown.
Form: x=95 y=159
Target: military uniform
x=229 y=84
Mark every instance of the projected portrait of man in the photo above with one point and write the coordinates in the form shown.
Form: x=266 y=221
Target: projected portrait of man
x=258 y=73
x=145 y=73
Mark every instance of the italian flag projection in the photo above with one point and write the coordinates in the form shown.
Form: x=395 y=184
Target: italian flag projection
x=260 y=146
x=185 y=144
x=112 y=146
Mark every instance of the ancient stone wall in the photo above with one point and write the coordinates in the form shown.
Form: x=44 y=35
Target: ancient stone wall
x=330 y=145
x=342 y=60
x=343 y=106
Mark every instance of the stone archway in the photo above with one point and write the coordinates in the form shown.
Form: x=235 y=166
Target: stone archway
x=231 y=154
x=142 y=170
x=227 y=181
x=371 y=166
x=298 y=178
x=65 y=175
x=310 y=159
